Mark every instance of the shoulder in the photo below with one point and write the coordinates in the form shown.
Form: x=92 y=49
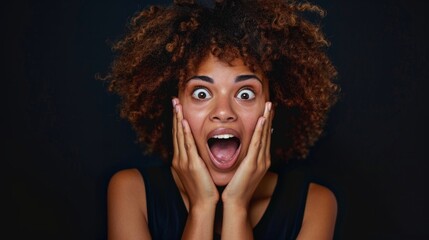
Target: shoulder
x=321 y=198
x=126 y=204
x=320 y=213
x=126 y=187
x=126 y=181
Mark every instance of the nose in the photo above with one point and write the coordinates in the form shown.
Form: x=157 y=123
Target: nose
x=223 y=111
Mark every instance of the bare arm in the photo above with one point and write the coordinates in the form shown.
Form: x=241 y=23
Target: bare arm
x=236 y=223
x=239 y=192
x=194 y=180
x=199 y=224
x=320 y=214
x=126 y=206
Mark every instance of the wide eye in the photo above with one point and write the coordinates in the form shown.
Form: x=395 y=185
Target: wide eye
x=245 y=94
x=201 y=94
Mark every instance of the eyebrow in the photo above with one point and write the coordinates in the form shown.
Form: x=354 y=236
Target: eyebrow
x=237 y=79
x=247 y=77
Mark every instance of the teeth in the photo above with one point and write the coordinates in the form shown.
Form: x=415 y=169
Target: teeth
x=223 y=136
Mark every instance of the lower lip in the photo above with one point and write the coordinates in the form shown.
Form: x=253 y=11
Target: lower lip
x=225 y=165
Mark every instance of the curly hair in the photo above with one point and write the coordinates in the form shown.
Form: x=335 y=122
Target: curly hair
x=164 y=44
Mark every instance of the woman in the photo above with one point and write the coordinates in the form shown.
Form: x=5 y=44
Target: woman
x=230 y=64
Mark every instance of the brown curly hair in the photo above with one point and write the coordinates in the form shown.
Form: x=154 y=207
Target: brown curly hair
x=164 y=44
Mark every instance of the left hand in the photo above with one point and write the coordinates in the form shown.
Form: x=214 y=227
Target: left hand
x=254 y=166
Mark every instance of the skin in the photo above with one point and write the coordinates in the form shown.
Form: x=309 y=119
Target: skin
x=224 y=108
x=236 y=99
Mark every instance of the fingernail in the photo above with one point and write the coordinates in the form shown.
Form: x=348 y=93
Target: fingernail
x=173 y=101
x=269 y=106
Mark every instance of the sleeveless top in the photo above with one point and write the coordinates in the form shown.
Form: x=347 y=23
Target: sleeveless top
x=282 y=219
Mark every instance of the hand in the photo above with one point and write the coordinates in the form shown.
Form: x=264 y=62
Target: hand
x=254 y=166
x=188 y=165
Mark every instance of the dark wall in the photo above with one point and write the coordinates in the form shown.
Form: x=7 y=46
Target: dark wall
x=63 y=138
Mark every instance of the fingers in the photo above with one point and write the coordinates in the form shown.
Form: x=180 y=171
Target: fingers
x=183 y=156
x=189 y=143
x=184 y=144
x=266 y=132
x=177 y=132
x=175 y=144
x=256 y=141
x=180 y=158
x=269 y=135
x=263 y=157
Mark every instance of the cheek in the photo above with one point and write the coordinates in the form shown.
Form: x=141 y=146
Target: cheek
x=250 y=118
x=253 y=112
x=194 y=116
x=250 y=122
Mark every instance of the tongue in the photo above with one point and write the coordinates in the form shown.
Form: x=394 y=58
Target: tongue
x=223 y=150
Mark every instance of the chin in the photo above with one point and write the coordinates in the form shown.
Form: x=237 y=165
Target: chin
x=222 y=179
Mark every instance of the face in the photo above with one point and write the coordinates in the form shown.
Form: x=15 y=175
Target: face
x=222 y=104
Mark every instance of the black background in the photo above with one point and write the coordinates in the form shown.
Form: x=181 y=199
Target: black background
x=63 y=138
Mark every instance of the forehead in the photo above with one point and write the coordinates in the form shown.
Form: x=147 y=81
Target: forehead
x=211 y=65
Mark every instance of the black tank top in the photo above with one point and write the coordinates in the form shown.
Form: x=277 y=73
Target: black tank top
x=282 y=219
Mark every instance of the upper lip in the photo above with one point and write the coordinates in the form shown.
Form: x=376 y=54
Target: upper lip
x=221 y=131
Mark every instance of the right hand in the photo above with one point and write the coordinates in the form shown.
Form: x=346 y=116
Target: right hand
x=188 y=165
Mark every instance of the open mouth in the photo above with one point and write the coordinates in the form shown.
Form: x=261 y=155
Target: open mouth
x=224 y=149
